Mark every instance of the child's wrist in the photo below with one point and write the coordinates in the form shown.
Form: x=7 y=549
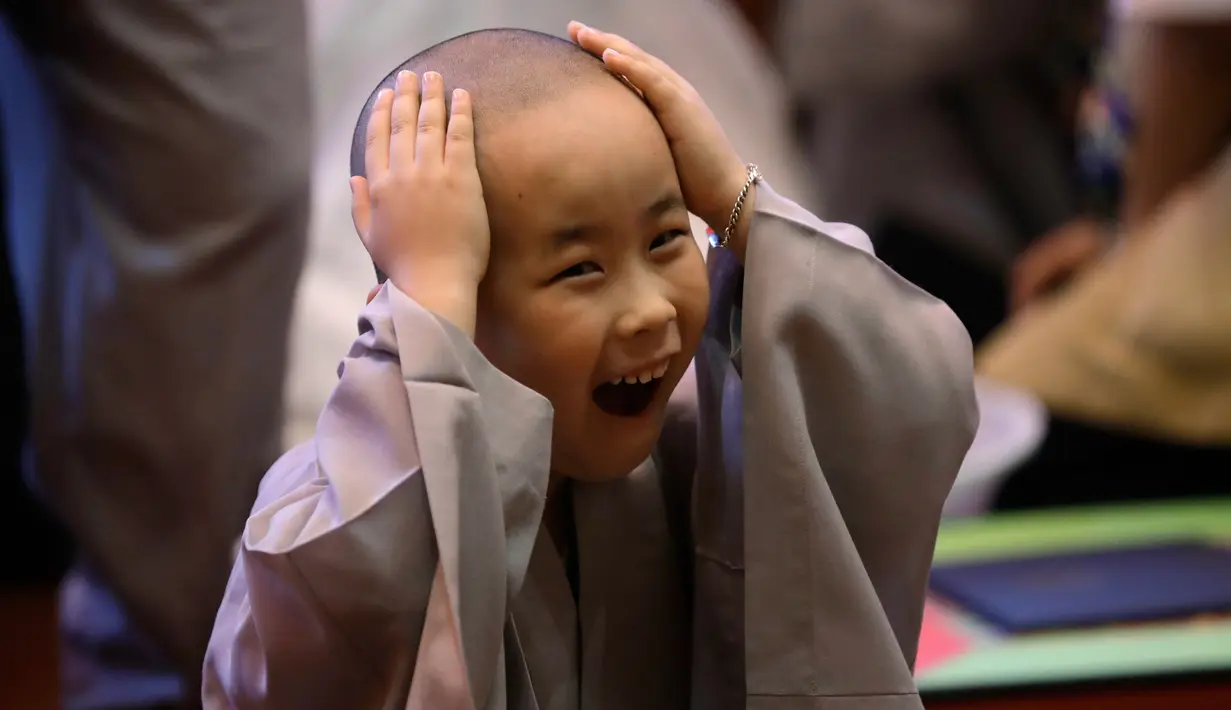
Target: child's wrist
x=723 y=213
x=724 y=197
x=453 y=297
x=739 y=235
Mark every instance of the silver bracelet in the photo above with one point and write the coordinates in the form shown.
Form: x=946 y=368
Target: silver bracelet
x=754 y=174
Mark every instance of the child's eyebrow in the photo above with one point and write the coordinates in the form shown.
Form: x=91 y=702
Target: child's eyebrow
x=667 y=203
x=581 y=233
x=566 y=236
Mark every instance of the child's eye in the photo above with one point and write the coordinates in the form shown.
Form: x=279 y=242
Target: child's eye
x=585 y=268
x=666 y=238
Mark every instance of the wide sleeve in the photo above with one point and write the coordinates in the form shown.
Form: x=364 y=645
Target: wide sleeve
x=858 y=409
x=376 y=566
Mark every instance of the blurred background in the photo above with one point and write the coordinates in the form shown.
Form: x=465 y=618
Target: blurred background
x=179 y=244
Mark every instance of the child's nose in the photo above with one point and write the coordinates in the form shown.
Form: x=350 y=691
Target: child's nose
x=651 y=311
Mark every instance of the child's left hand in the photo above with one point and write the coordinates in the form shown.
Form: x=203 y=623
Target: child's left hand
x=710 y=171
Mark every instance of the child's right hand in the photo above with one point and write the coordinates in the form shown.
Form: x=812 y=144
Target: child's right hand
x=420 y=210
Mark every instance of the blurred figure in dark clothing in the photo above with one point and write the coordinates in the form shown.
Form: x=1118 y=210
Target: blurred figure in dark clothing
x=944 y=126
x=157 y=167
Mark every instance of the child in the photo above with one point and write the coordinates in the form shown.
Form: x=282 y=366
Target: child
x=503 y=507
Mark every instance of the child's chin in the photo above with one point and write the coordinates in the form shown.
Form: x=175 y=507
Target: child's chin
x=607 y=466
x=600 y=476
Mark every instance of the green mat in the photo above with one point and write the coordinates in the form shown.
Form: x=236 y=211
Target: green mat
x=1080 y=656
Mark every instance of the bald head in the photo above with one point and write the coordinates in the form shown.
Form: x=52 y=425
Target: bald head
x=506 y=72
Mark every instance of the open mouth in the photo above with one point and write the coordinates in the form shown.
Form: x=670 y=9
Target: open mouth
x=624 y=399
x=630 y=396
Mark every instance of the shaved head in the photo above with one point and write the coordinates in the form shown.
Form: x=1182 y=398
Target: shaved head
x=506 y=71
x=592 y=272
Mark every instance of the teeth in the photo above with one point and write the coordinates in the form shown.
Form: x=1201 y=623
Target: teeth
x=643 y=377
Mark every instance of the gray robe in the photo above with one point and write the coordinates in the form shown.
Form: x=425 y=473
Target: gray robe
x=396 y=560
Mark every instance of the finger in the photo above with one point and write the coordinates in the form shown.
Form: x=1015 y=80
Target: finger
x=597 y=42
x=405 y=118
x=1019 y=296
x=1033 y=282
x=459 y=145
x=655 y=87
x=574 y=29
x=360 y=207
x=431 y=139
x=374 y=292
x=376 y=153
x=1021 y=283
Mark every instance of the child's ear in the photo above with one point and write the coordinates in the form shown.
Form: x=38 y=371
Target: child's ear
x=375 y=290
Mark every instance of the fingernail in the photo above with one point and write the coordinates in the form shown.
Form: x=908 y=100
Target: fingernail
x=458 y=93
x=382 y=94
x=402 y=77
x=610 y=51
x=430 y=78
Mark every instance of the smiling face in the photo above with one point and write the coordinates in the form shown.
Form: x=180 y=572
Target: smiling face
x=594 y=275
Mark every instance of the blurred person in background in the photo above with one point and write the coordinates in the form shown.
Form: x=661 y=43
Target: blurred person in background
x=1123 y=319
x=157 y=162
x=943 y=126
